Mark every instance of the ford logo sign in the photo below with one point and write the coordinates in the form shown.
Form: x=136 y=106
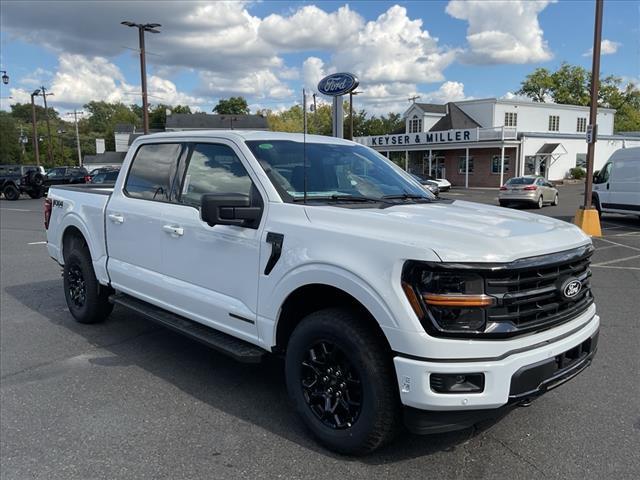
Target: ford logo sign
x=571 y=287
x=338 y=84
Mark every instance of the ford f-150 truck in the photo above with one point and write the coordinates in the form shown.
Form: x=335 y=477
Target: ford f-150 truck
x=388 y=305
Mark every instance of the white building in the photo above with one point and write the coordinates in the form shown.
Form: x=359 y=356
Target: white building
x=482 y=143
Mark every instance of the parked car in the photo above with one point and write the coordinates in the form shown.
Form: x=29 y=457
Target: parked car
x=528 y=190
x=616 y=188
x=98 y=170
x=428 y=184
x=18 y=179
x=105 y=176
x=443 y=184
x=387 y=305
x=66 y=176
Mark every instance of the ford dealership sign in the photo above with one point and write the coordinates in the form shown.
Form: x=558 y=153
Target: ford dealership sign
x=338 y=84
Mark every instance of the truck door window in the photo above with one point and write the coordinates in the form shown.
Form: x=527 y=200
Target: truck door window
x=152 y=171
x=213 y=168
x=603 y=177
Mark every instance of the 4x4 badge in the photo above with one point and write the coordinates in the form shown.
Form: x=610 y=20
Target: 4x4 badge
x=571 y=287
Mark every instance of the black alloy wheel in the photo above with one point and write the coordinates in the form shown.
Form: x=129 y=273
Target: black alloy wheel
x=331 y=386
x=77 y=286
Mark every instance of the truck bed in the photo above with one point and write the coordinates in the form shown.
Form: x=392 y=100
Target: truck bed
x=82 y=207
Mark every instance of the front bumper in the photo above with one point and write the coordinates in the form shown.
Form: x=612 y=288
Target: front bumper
x=511 y=380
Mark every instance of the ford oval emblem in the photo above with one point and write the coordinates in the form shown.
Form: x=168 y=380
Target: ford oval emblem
x=338 y=84
x=571 y=287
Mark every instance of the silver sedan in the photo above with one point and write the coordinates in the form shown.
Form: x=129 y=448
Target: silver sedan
x=529 y=189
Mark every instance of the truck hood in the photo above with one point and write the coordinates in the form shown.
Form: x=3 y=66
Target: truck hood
x=458 y=231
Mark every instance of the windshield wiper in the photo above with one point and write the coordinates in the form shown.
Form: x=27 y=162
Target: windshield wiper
x=342 y=198
x=406 y=196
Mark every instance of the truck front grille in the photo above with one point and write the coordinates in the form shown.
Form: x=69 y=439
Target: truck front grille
x=532 y=297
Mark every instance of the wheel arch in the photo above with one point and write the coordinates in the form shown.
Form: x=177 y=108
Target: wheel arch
x=312 y=297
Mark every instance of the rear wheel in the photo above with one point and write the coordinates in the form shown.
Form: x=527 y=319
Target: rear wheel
x=37 y=193
x=503 y=203
x=540 y=202
x=88 y=301
x=11 y=192
x=341 y=380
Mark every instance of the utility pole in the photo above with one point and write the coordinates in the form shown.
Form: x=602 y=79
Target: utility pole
x=60 y=133
x=43 y=92
x=351 y=94
x=75 y=120
x=146 y=27
x=36 y=147
x=587 y=217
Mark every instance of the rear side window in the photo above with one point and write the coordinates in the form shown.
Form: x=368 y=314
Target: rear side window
x=213 y=168
x=152 y=171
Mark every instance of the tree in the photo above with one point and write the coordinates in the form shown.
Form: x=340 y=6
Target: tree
x=158 y=114
x=22 y=112
x=105 y=116
x=232 y=106
x=10 y=151
x=571 y=84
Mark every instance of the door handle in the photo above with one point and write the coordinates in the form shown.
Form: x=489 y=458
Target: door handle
x=174 y=230
x=607 y=185
x=116 y=218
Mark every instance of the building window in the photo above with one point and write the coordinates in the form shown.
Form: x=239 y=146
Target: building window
x=554 y=123
x=530 y=165
x=415 y=125
x=582 y=124
x=461 y=164
x=581 y=160
x=510 y=119
x=495 y=164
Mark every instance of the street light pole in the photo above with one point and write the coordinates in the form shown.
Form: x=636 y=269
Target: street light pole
x=587 y=217
x=36 y=147
x=146 y=27
x=75 y=120
x=60 y=132
x=43 y=92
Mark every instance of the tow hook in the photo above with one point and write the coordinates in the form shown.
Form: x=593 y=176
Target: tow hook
x=526 y=402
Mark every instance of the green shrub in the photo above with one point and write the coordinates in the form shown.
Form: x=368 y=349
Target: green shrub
x=578 y=173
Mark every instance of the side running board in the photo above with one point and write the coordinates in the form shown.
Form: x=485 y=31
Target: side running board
x=234 y=347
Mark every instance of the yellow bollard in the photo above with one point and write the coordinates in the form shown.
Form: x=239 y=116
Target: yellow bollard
x=588 y=221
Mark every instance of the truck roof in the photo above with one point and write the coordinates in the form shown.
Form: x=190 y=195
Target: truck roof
x=247 y=135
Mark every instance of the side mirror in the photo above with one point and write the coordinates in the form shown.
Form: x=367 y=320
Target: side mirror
x=229 y=209
x=595 y=176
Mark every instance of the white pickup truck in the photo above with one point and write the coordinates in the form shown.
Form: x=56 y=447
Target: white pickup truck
x=388 y=305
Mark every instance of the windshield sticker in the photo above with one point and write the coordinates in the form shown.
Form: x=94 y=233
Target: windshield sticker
x=265 y=146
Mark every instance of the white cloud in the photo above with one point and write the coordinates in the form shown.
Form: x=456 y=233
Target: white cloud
x=515 y=96
x=607 y=47
x=313 y=70
x=311 y=28
x=502 y=31
x=261 y=84
x=394 y=48
x=36 y=78
x=448 y=92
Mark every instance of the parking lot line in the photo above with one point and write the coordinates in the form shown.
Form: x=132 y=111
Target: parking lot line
x=600 y=264
x=619 y=244
x=37 y=243
x=17 y=209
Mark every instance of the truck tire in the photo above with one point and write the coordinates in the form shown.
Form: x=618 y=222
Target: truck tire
x=36 y=179
x=11 y=192
x=88 y=301
x=341 y=379
x=35 y=193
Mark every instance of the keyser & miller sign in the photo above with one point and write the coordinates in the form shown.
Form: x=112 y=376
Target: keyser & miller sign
x=426 y=138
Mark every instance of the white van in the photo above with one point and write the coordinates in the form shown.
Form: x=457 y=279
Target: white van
x=616 y=188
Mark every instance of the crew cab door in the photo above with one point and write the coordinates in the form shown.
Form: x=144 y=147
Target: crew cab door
x=213 y=271
x=134 y=221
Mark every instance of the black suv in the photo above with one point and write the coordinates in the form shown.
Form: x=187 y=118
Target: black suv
x=18 y=179
x=66 y=176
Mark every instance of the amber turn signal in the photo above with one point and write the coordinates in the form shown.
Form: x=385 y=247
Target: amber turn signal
x=443 y=300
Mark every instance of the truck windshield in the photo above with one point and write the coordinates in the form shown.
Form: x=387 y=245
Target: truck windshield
x=334 y=173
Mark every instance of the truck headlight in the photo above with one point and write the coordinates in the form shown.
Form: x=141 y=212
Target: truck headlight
x=445 y=300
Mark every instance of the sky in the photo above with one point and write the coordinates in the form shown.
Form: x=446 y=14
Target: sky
x=268 y=51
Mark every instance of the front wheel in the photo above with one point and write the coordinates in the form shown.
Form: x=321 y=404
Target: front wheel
x=88 y=301
x=37 y=193
x=11 y=192
x=555 y=200
x=340 y=378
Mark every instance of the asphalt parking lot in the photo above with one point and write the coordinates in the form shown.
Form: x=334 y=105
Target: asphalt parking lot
x=128 y=399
